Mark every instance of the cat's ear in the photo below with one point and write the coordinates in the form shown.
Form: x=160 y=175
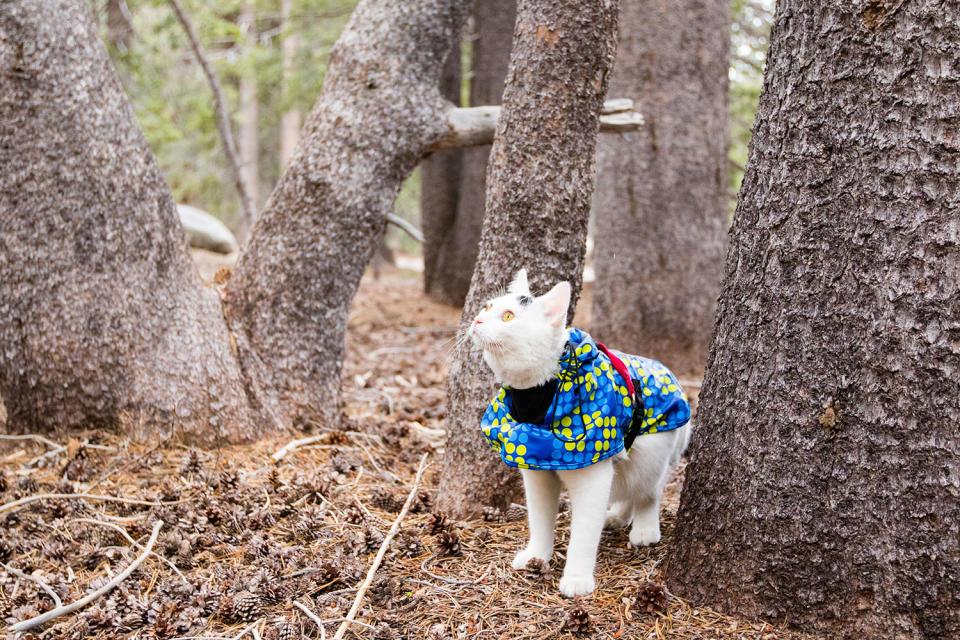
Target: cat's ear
x=555 y=303
x=520 y=286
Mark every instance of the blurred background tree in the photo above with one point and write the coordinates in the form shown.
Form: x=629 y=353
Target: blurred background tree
x=248 y=42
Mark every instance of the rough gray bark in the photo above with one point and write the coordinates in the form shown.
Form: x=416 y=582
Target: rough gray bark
x=104 y=321
x=439 y=185
x=538 y=202
x=661 y=216
x=824 y=485
x=447 y=276
x=379 y=112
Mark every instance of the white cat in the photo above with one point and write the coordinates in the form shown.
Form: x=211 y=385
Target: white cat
x=526 y=345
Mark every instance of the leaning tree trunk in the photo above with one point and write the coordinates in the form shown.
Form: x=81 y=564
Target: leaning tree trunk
x=824 y=486
x=104 y=321
x=661 y=214
x=439 y=185
x=454 y=244
x=538 y=202
x=379 y=113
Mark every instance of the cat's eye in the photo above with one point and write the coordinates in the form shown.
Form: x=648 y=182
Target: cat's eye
x=507 y=316
x=488 y=307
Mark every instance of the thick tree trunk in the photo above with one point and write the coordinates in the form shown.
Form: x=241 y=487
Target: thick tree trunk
x=439 y=185
x=538 y=201
x=661 y=216
x=379 y=113
x=824 y=486
x=104 y=321
x=447 y=276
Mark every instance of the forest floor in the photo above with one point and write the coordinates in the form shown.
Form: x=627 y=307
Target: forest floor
x=243 y=537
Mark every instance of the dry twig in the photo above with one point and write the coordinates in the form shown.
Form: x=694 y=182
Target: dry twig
x=383 y=550
x=120 y=577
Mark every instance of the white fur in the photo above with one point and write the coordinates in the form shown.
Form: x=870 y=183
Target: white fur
x=523 y=353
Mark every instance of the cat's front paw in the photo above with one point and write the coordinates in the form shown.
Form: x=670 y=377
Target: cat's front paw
x=523 y=557
x=644 y=536
x=576 y=584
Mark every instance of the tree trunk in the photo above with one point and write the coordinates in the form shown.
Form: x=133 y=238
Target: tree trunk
x=661 y=205
x=538 y=201
x=439 y=183
x=290 y=122
x=379 y=112
x=104 y=321
x=824 y=486
x=447 y=276
x=249 y=114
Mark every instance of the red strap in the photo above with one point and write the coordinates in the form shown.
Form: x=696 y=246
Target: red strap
x=619 y=366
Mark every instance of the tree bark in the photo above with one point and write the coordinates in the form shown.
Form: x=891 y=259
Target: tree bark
x=538 y=201
x=439 y=185
x=104 y=321
x=661 y=204
x=453 y=245
x=824 y=486
x=379 y=112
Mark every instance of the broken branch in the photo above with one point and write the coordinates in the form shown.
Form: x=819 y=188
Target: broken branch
x=120 y=577
x=411 y=230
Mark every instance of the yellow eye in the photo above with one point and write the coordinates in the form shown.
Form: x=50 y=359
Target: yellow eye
x=507 y=316
x=488 y=307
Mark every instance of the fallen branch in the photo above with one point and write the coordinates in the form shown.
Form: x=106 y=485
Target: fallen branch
x=126 y=535
x=381 y=552
x=411 y=230
x=295 y=444
x=312 y=616
x=16 y=504
x=223 y=119
x=120 y=577
x=43 y=585
x=475 y=126
x=33 y=436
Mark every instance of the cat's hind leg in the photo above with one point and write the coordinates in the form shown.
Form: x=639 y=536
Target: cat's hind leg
x=542 y=489
x=618 y=515
x=645 y=529
x=589 y=490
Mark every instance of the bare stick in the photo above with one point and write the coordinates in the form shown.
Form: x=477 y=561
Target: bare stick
x=126 y=535
x=120 y=577
x=383 y=550
x=223 y=119
x=474 y=126
x=16 y=504
x=411 y=230
x=295 y=444
x=33 y=436
x=43 y=585
x=312 y=616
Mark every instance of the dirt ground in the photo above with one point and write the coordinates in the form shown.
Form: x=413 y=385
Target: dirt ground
x=248 y=545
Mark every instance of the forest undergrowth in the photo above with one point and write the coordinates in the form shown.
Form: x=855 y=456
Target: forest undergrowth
x=267 y=540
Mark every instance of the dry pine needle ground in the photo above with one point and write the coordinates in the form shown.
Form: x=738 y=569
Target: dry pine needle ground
x=243 y=538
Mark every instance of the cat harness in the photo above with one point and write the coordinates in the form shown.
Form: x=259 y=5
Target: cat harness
x=602 y=401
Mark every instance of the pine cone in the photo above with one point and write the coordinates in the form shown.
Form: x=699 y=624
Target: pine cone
x=492 y=514
x=229 y=479
x=483 y=534
x=274 y=479
x=353 y=515
x=246 y=606
x=285 y=630
x=423 y=502
x=382 y=592
x=538 y=570
x=328 y=572
x=651 y=597
x=437 y=632
x=383 y=498
x=515 y=512
x=448 y=543
x=55 y=550
x=192 y=465
x=409 y=545
x=7 y=549
x=437 y=523
x=4 y=485
x=370 y=540
x=578 y=621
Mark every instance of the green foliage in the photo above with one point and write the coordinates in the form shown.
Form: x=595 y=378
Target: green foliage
x=172 y=99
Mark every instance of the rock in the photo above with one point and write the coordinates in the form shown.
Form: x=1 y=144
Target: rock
x=206 y=232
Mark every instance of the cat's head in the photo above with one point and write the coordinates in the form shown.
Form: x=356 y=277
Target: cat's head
x=523 y=336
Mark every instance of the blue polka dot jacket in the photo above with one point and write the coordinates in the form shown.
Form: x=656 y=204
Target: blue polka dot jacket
x=592 y=413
